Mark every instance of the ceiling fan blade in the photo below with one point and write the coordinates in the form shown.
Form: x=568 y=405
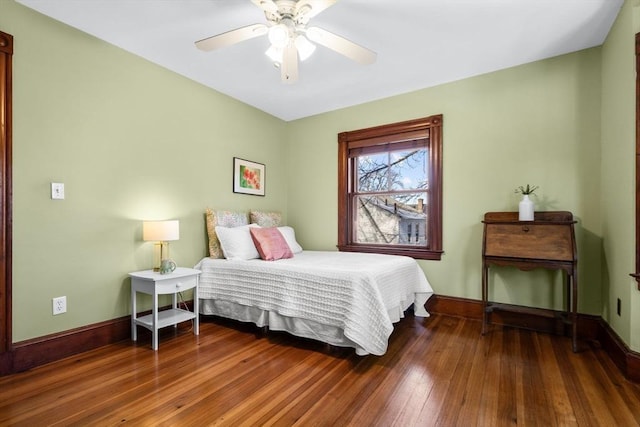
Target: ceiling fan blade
x=341 y=45
x=289 y=66
x=232 y=37
x=306 y=9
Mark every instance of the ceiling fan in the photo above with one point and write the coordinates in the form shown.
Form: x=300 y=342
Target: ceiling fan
x=289 y=35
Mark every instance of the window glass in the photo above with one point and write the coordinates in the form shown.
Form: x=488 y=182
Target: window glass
x=391 y=219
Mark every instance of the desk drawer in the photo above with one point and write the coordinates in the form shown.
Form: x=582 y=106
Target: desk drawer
x=532 y=241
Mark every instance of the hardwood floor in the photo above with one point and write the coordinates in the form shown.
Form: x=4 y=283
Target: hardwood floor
x=437 y=371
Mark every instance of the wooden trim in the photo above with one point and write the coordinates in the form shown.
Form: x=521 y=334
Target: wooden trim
x=541 y=320
x=453 y=306
x=417 y=128
x=6 y=315
x=39 y=351
x=636 y=275
x=343 y=185
x=436 y=178
x=393 y=250
x=627 y=360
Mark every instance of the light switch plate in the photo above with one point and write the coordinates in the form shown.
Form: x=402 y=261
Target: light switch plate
x=57 y=190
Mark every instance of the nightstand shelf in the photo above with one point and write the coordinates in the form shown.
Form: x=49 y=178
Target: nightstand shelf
x=154 y=284
x=166 y=318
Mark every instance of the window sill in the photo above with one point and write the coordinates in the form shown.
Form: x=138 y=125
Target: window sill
x=403 y=251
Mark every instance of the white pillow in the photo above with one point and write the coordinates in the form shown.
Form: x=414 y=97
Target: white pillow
x=236 y=242
x=290 y=236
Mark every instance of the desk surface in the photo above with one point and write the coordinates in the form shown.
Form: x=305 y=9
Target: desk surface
x=542 y=217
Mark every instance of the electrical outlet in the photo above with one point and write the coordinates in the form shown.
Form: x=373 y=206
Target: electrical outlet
x=618 y=309
x=59 y=305
x=57 y=190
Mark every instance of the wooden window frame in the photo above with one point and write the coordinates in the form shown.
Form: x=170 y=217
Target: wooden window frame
x=431 y=126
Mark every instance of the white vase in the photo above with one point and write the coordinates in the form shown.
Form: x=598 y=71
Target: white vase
x=525 y=209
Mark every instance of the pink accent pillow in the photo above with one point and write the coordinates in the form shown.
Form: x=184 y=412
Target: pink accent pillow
x=270 y=243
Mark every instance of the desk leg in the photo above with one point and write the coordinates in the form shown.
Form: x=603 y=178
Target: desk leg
x=485 y=296
x=574 y=311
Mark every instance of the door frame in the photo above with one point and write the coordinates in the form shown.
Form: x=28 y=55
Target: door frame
x=6 y=343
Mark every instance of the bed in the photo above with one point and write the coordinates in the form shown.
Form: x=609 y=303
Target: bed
x=344 y=299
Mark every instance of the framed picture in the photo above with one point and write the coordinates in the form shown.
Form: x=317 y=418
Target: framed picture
x=248 y=177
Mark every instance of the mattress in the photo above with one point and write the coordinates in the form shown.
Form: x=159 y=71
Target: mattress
x=342 y=298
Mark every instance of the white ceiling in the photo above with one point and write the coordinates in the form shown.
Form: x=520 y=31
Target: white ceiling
x=420 y=43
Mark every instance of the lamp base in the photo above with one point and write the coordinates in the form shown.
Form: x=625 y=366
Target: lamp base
x=160 y=252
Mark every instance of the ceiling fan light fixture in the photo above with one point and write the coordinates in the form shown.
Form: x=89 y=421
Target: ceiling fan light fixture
x=275 y=54
x=291 y=40
x=279 y=35
x=304 y=46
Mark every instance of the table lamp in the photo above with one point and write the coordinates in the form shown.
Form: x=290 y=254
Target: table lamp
x=160 y=232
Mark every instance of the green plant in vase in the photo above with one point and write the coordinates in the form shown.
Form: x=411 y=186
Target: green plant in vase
x=525 y=207
x=525 y=191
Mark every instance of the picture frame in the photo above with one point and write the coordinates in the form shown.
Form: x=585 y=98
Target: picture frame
x=248 y=177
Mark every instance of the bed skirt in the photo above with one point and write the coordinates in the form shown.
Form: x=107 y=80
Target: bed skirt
x=295 y=326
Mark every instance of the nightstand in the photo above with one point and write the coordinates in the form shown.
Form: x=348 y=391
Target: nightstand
x=154 y=284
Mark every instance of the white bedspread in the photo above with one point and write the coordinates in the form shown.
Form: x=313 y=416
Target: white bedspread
x=362 y=294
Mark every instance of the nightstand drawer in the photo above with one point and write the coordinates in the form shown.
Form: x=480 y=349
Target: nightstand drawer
x=175 y=284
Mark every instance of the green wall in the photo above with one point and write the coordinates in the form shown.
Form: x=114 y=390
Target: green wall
x=133 y=141
x=537 y=123
x=618 y=176
x=130 y=141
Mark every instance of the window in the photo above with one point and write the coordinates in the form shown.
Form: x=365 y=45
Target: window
x=390 y=189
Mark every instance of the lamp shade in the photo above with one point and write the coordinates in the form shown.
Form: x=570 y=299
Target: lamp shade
x=160 y=231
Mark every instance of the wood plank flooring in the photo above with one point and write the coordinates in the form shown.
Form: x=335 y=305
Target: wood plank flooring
x=438 y=371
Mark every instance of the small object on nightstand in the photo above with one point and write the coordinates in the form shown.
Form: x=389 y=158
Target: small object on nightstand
x=167 y=266
x=154 y=284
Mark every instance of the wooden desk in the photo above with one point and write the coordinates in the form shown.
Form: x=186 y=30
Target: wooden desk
x=546 y=242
